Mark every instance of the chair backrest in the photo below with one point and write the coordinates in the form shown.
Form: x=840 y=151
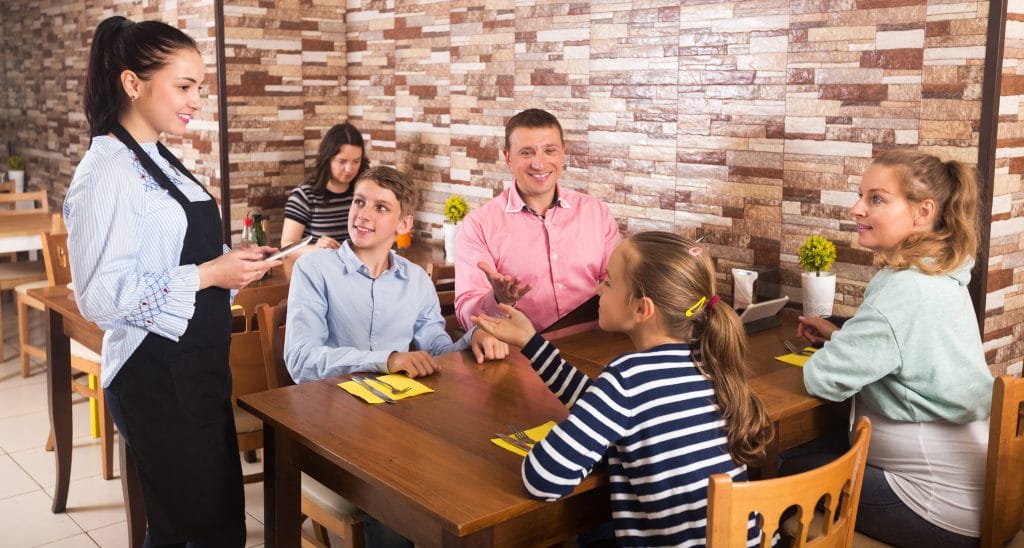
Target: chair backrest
x=1004 y=474
x=836 y=485
x=272 y=320
x=246 y=357
x=55 y=257
x=7 y=186
x=37 y=197
x=443 y=277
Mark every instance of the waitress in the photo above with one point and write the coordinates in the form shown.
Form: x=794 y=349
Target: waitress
x=150 y=268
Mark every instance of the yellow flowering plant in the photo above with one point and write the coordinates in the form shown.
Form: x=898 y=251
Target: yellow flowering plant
x=455 y=209
x=816 y=254
x=15 y=163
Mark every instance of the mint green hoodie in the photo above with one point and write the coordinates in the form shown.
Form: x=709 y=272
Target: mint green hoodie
x=912 y=351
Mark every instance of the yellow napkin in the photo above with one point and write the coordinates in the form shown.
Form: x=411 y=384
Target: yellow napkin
x=537 y=433
x=796 y=359
x=398 y=381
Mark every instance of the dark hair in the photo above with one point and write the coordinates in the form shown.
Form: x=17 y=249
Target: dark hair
x=401 y=184
x=338 y=135
x=679 y=278
x=954 y=188
x=118 y=45
x=532 y=118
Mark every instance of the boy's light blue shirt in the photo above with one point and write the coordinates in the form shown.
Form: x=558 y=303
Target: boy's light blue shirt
x=341 y=320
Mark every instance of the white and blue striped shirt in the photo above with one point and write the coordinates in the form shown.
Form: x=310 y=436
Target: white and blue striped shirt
x=125 y=234
x=655 y=416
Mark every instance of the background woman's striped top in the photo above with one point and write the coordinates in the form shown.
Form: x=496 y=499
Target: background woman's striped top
x=656 y=418
x=323 y=214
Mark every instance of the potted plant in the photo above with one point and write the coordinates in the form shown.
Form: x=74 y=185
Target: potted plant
x=16 y=172
x=455 y=209
x=816 y=256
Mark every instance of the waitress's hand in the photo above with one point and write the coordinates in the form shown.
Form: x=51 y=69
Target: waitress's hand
x=815 y=329
x=326 y=242
x=236 y=269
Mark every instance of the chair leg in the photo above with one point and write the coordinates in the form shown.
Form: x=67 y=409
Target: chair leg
x=1 y=326
x=23 y=334
x=106 y=436
x=49 y=441
x=320 y=532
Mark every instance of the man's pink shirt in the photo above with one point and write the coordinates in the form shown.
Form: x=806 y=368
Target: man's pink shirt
x=564 y=255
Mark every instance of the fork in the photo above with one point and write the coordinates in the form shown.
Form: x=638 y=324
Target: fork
x=394 y=390
x=795 y=350
x=519 y=434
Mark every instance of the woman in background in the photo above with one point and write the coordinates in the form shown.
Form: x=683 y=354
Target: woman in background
x=150 y=268
x=319 y=207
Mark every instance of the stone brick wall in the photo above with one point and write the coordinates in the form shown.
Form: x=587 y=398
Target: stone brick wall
x=45 y=53
x=749 y=121
x=1004 y=307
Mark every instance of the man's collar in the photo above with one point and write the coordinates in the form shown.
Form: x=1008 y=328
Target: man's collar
x=515 y=202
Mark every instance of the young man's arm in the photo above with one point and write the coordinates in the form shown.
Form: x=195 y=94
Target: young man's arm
x=306 y=353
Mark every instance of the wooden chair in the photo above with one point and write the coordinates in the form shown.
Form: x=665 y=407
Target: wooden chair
x=15 y=273
x=7 y=186
x=443 y=277
x=836 y=485
x=246 y=361
x=1004 y=474
x=58 y=272
x=327 y=510
x=83 y=361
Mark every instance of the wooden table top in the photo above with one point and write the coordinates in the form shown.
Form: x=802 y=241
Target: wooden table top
x=24 y=223
x=431 y=455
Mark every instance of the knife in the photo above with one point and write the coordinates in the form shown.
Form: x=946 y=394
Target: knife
x=362 y=382
x=513 y=441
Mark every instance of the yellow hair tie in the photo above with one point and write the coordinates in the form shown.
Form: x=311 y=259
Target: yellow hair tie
x=693 y=309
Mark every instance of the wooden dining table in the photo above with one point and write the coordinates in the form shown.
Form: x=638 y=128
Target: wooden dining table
x=426 y=467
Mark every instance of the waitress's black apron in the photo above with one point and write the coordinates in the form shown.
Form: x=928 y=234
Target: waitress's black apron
x=172 y=400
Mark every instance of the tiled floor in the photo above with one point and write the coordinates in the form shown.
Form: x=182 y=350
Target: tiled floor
x=95 y=509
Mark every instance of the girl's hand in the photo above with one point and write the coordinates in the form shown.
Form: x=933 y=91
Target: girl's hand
x=236 y=269
x=326 y=242
x=486 y=347
x=817 y=330
x=516 y=329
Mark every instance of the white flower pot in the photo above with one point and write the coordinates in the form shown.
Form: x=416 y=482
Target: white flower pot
x=450 y=230
x=18 y=176
x=819 y=293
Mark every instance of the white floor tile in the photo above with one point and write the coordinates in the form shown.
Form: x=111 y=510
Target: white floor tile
x=94 y=502
x=29 y=522
x=253 y=532
x=111 y=536
x=85 y=462
x=15 y=480
x=78 y=541
x=254 y=501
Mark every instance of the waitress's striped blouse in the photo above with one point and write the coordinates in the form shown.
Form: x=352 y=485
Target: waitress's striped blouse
x=655 y=417
x=125 y=234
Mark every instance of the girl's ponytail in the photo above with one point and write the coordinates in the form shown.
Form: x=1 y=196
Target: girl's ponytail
x=721 y=355
x=679 y=278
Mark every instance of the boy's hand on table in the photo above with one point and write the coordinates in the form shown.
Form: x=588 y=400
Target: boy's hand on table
x=414 y=364
x=486 y=347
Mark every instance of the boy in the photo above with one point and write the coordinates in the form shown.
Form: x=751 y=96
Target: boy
x=358 y=308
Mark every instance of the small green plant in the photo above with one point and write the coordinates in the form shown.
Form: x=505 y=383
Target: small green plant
x=15 y=163
x=455 y=209
x=816 y=254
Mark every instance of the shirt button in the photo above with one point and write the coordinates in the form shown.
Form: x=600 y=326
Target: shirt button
x=554 y=256
x=560 y=286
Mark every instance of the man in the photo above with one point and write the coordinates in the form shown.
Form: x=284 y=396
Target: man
x=536 y=246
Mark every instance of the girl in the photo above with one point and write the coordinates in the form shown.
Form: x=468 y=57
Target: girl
x=150 y=268
x=669 y=415
x=912 y=355
x=319 y=207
